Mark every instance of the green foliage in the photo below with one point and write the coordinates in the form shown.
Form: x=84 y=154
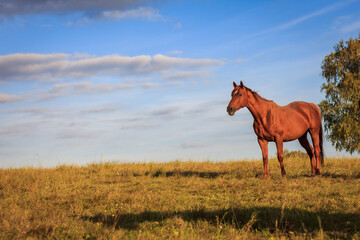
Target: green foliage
x=341 y=108
x=182 y=200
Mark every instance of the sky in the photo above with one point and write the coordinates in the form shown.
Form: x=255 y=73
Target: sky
x=140 y=80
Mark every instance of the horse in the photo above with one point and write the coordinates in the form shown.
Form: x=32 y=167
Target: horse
x=279 y=124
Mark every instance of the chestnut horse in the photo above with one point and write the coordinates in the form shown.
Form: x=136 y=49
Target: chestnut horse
x=274 y=123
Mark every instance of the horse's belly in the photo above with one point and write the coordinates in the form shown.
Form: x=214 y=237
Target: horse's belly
x=294 y=131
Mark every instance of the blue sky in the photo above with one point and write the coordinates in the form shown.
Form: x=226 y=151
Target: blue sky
x=135 y=81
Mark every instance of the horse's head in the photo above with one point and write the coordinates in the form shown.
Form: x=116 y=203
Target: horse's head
x=239 y=98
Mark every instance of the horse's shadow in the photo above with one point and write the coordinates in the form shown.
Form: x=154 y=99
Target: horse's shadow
x=260 y=218
x=257 y=174
x=326 y=175
x=341 y=175
x=203 y=174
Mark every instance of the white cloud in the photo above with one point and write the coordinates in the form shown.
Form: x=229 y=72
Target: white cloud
x=24 y=67
x=162 y=62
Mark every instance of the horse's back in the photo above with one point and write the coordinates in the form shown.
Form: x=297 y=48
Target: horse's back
x=299 y=117
x=308 y=111
x=303 y=108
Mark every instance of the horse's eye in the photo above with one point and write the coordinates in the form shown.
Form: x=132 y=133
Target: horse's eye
x=240 y=94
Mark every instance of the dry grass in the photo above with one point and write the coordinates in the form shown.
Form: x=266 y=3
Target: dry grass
x=182 y=200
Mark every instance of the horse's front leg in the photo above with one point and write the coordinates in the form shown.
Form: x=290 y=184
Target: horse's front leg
x=264 y=148
x=279 y=146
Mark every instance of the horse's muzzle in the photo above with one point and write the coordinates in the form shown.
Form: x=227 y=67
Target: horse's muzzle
x=231 y=110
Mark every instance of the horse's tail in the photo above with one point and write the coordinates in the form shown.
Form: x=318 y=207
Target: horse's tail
x=321 y=140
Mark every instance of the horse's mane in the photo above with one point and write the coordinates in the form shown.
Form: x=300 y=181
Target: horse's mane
x=257 y=96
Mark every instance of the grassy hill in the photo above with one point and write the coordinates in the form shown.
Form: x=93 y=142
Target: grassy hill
x=182 y=200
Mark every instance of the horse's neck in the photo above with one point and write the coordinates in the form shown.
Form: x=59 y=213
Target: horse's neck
x=259 y=108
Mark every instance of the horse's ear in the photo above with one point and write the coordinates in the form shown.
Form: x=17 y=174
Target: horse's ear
x=241 y=84
x=234 y=84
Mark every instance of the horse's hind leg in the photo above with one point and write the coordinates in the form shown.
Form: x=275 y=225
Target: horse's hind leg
x=316 y=143
x=310 y=151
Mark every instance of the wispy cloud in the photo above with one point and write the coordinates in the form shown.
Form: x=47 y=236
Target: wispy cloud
x=240 y=60
x=140 y=126
x=24 y=67
x=67 y=89
x=299 y=20
x=174 y=53
x=255 y=55
x=346 y=24
x=187 y=145
x=76 y=134
x=101 y=109
x=351 y=27
x=18 y=129
x=10 y=130
x=150 y=85
x=164 y=113
x=185 y=75
x=89 y=87
x=31 y=110
x=7 y=98
x=175 y=83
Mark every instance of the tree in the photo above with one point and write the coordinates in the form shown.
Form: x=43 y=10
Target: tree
x=341 y=108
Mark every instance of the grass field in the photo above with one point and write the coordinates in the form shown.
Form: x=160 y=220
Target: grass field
x=182 y=200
